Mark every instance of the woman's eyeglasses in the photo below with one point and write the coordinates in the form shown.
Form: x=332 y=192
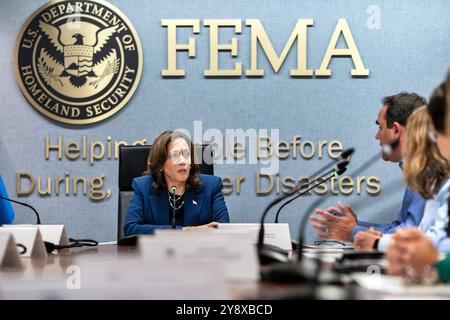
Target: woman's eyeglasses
x=175 y=156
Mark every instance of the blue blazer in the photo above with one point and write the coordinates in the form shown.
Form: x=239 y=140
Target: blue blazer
x=149 y=211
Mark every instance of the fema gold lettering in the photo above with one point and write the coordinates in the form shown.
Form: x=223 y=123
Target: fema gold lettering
x=259 y=36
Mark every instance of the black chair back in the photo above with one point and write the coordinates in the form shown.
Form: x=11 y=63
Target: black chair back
x=133 y=163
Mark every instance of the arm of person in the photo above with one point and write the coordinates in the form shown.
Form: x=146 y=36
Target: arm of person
x=366 y=240
x=412 y=216
x=218 y=206
x=411 y=253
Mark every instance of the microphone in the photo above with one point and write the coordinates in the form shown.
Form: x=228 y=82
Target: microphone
x=345 y=155
x=306 y=270
x=174 y=222
x=310 y=210
x=389 y=148
x=296 y=272
x=340 y=165
x=38 y=219
x=270 y=253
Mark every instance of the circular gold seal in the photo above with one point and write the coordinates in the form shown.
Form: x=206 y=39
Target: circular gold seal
x=78 y=62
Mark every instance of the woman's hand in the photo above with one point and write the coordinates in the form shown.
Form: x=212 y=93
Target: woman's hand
x=411 y=249
x=205 y=226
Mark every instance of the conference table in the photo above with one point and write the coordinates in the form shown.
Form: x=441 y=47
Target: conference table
x=54 y=277
x=47 y=278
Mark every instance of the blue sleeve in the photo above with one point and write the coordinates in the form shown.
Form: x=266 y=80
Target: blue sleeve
x=409 y=216
x=219 y=208
x=134 y=222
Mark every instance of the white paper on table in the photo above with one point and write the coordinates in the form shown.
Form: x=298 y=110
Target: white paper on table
x=237 y=252
x=276 y=234
x=30 y=237
x=54 y=233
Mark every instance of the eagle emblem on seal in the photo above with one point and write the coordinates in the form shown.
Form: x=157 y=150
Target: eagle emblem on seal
x=77 y=59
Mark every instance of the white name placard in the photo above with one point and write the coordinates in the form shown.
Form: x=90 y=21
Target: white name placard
x=276 y=234
x=152 y=279
x=30 y=237
x=237 y=252
x=9 y=256
x=54 y=233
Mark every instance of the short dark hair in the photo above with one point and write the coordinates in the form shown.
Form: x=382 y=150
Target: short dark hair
x=400 y=107
x=437 y=108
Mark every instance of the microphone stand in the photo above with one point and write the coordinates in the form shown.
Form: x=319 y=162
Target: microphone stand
x=301 y=187
x=344 y=156
x=269 y=254
x=306 y=271
x=38 y=219
x=174 y=222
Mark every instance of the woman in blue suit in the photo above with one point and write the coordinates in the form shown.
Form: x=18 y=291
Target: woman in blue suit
x=198 y=201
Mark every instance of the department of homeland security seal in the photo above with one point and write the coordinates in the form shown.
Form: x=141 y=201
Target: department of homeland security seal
x=78 y=62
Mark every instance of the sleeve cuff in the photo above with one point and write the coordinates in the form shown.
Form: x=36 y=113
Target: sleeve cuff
x=383 y=242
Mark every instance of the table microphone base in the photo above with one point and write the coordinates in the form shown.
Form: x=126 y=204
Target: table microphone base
x=286 y=273
x=269 y=254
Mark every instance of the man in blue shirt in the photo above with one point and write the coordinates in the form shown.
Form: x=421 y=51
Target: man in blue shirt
x=392 y=117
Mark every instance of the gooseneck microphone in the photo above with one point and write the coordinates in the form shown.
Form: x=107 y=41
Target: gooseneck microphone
x=174 y=222
x=304 y=220
x=266 y=255
x=345 y=155
x=339 y=166
x=309 y=270
x=375 y=158
x=38 y=219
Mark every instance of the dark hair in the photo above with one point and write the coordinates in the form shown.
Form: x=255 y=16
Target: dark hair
x=158 y=156
x=437 y=108
x=400 y=107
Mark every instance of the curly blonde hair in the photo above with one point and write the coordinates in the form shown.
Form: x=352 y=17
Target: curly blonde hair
x=425 y=169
